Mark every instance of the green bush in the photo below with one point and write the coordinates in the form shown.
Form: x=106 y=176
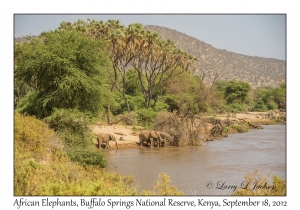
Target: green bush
x=146 y=116
x=72 y=127
x=160 y=106
x=260 y=106
x=71 y=119
x=171 y=101
x=236 y=107
x=236 y=91
x=75 y=140
x=136 y=102
x=272 y=105
x=88 y=157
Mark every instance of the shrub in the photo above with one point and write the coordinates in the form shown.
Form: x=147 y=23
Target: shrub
x=136 y=102
x=33 y=138
x=160 y=106
x=260 y=106
x=88 y=157
x=271 y=105
x=71 y=119
x=172 y=102
x=263 y=186
x=75 y=140
x=160 y=118
x=162 y=187
x=146 y=116
x=236 y=91
x=72 y=127
x=130 y=118
x=236 y=107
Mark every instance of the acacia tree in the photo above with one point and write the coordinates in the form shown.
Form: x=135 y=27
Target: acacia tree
x=152 y=58
x=121 y=49
x=159 y=61
x=65 y=69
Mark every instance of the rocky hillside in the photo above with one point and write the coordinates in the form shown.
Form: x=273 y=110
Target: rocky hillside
x=257 y=71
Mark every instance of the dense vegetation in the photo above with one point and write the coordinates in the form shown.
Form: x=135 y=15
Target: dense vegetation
x=91 y=70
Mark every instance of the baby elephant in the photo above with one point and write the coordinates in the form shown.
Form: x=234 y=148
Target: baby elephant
x=105 y=138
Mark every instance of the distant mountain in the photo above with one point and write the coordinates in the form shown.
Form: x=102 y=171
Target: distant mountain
x=257 y=71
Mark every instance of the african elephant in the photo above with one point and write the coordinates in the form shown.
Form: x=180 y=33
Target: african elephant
x=164 y=139
x=105 y=138
x=149 y=137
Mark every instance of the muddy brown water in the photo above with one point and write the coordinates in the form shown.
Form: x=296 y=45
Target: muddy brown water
x=216 y=168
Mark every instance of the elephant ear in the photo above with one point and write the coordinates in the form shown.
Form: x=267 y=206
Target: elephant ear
x=162 y=135
x=154 y=134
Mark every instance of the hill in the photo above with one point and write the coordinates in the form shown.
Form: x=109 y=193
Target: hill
x=227 y=65
x=258 y=71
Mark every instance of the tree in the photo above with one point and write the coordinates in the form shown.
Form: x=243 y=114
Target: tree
x=132 y=84
x=188 y=94
x=236 y=91
x=154 y=60
x=65 y=69
x=121 y=49
x=280 y=96
x=158 y=61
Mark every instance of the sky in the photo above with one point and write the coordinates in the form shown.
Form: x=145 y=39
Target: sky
x=261 y=35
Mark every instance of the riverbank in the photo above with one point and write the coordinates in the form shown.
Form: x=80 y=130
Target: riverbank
x=128 y=136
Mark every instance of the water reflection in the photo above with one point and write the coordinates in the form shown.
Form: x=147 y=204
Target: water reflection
x=192 y=167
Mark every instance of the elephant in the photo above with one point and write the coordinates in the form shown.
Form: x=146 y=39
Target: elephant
x=149 y=136
x=164 y=139
x=105 y=138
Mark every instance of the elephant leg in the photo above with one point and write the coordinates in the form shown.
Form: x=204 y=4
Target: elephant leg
x=151 y=142
x=99 y=143
x=158 y=142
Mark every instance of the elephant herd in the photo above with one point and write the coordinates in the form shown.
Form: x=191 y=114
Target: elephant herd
x=155 y=138
x=147 y=138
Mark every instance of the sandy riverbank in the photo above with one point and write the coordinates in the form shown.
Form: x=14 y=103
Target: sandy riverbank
x=128 y=138
x=125 y=135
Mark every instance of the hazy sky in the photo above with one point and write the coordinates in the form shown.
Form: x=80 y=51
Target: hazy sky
x=254 y=35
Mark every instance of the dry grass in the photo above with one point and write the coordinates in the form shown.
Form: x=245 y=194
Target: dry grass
x=256 y=184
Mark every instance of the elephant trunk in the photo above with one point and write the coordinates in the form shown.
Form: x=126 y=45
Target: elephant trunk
x=117 y=145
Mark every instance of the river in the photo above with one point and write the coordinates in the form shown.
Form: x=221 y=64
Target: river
x=207 y=169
